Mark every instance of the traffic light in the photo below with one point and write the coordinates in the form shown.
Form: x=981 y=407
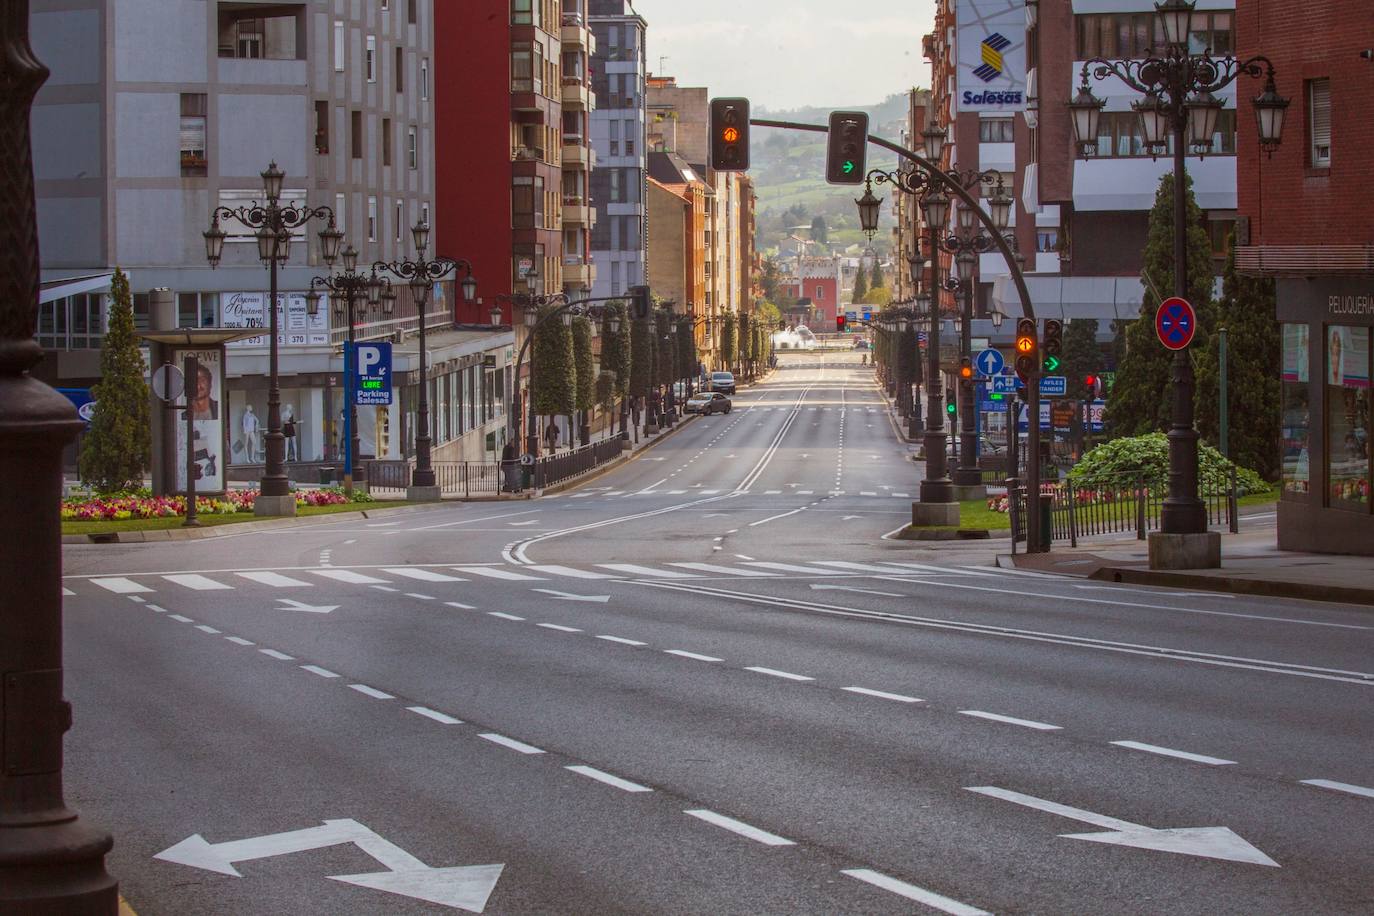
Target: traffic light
x=1026 y=356
x=1052 y=346
x=839 y=323
x=966 y=368
x=730 y=135
x=846 y=148
x=1094 y=385
x=639 y=298
x=951 y=404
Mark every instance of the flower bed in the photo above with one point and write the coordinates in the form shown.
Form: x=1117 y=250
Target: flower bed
x=139 y=504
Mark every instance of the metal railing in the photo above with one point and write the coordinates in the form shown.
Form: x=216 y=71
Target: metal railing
x=556 y=469
x=455 y=478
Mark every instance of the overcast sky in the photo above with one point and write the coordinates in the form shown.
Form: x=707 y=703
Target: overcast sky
x=790 y=53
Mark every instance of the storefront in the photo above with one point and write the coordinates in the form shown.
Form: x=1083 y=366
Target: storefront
x=1328 y=333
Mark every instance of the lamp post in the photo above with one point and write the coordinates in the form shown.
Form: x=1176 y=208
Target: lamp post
x=273 y=223
x=421 y=274
x=1179 y=105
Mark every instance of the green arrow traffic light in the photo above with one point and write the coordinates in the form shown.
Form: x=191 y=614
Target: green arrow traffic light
x=1052 y=363
x=848 y=166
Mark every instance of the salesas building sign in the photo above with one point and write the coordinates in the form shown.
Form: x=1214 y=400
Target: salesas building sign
x=991 y=44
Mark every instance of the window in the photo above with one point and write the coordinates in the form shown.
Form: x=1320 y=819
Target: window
x=400 y=220
x=245 y=32
x=412 y=13
x=412 y=150
x=400 y=68
x=193 y=112
x=1219 y=232
x=1319 y=123
x=371 y=58
x=522 y=69
x=1347 y=417
x=197 y=310
x=338 y=46
x=386 y=141
x=614 y=127
x=1046 y=240
x=322 y=128
x=820 y=292
x=995 y=130
x=424 y=78
x=372 y=219
x=356 y=134
x=1295 y=391
x=1211 y=31
x=522 y=12
x=527 y=202
x=341 y=213
x=1115 y=35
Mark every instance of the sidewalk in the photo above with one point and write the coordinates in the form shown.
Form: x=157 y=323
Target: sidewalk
x=1251 y=564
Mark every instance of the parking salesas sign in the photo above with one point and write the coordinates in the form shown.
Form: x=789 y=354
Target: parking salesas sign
x=372 y=374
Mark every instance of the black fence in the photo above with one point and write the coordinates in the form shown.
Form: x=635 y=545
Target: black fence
x=556 y=469
x=455 y=478
x=1117 y=504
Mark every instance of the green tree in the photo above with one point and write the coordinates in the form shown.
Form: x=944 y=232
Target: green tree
x=819 y=233
x=555 y=368
x=584 y=363
x=876 y=279
x=770 y=278
x=746 y=340
x=615 y=347
x=666 y=347
x=118 y=446
x=860 y=285
x=1082 y=355
x=767 y=313
x=1141 y=400
x=1253 y=354
x=641 y=356
x=879 y=296
x=729 y=343
x=686 y=348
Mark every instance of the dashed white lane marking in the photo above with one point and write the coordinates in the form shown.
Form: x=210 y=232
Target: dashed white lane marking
x=240 y=641
x=276 y=580
x=1338 y=787
x=914 y=893
x=208 y=629
x=1170 y=752
x=511 y=743
x=316 y=669
x=1009 y=720
x=136 y=599
x=420 y=596
x=741 y=828
x=785 y=675
x=724 y=570
x=623 y=641
x=121 y=586
x=279 y=656
x=503 y=616
x=561 y=629
x=492 y=573
x=180 y=619
x=424 y=575
x=197 y=582
x=683 y=653
x=883 y=695
x=347 y=575
x=555 y=570
x=436 y=716
x=608 y=779
x=634 y=570
x=458 y=604
x=371 y=692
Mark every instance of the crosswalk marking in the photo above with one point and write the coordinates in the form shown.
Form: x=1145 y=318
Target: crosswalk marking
x=645 y=571
x=424 y=575
x=946 y=570
x=861 y=567
x=276 y=580
x=492 y=572
x=121 y=586
x=197 y=583
x=555 y=570
x=723 y=570
x=709 y=492
x=347 y=575
x=792 y=567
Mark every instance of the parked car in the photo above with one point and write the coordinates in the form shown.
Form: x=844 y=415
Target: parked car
x=708 y=402
x=723 y=382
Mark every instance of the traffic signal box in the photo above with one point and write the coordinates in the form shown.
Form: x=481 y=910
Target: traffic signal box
x=639 y=301
x=846 y=149
x=1026 y=350
x=966 y=368
x=730 y=135
x=1052 y=346
x=839 y=323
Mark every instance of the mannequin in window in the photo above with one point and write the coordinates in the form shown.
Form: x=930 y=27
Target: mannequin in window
x=251 y=439
x=288 y=429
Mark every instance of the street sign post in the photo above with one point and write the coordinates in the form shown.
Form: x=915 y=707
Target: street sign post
x=1175 y=323
x=989 y=362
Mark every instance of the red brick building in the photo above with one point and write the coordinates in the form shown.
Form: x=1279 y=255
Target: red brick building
x=1307 y=220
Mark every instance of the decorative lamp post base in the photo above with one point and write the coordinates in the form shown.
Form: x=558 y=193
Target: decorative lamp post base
x=421 y=494
x=1185 y=551
x=650 y=429
x=926 y=515
x=278 y=506
x=967 y=477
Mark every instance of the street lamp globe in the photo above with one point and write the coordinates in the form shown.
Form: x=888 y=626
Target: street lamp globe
x=936 y=207
x=869 y=208
x=312 y=302
x=419 y=288
x=967 y=218
x=1085 y=109
x=567 y=318
x=469 y=288
x=339 y=307
x=613 y=323
x=999 y=207
x=374 y=290
x=350 y=258
x=1155 y=120
x=964 y=264
x=1204 y=109
x=266 y=243
x=496 y=315
x=933 y=141
x=923 y=302
x=214 y=243
x=272 y=181
x=1176 y=20
x=420 y=234
x=1270 y=108
x=997 y=318
x=388 y=301
x=330 y=240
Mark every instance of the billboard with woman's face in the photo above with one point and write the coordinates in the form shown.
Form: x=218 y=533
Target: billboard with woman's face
x=206 y=394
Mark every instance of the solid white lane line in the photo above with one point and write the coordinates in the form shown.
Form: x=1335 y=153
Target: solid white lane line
x=1170 y=752
x=623 y=641
x=503 y=616
x=205 y=629
x=561 y=629
x=316 y=669
x=724 y=570
x=1009 y=720
x=792 y=567
x=120 y=585
x=608 y=779
x=774 y=518
x=556 y=570
x=739 y=827
x=511 y=743
x=240 y=641
x=197 y=582
x=492 y=573
x=279 y=656
x=347 y=575
x=634 y=570
x=436 y=716
x=466 y=607
x=883 y=695
x=685 y=654
x=424 y=575
x=276 y=580
x=371 y=692
x=180 y=619
x=773 y=672
x=912 y=892
x=1338 y=787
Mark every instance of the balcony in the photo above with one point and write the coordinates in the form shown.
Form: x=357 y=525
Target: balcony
x=576 y=153
x=578 y=273
x=577 y=93
x=526 y=154
x=576 y=34
x=577 y=211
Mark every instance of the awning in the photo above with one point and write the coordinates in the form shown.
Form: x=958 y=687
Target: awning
x=51 y=290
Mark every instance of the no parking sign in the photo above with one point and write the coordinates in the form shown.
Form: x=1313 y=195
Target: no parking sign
x=1175 y=323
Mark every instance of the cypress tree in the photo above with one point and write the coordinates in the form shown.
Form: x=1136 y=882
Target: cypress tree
x=641 y=357
x=746 y=342
x=686 y=349
x=877 y=280
x=555 y=372
x=1082 y=355
x=729 y=341
x=666 y=347
x=118 y=446
x=585 y=364
x=860 y=285
x=615 y=347
x=1142 y=400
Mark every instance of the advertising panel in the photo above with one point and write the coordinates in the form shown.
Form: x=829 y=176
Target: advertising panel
x=296 y=327
x=207 y=415
x=991 y=43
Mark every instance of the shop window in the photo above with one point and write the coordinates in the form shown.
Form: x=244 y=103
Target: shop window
x=1295 y=412
x=193 y=114
x=1347 y=417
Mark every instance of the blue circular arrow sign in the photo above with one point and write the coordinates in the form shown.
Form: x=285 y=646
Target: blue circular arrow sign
x=989 y=362
x=1175 y=323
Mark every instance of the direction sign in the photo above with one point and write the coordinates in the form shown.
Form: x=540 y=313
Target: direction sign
x=989 y=362
x=1054 y=385
x=372 y=373
x=1175 y=323
x=1005 y=384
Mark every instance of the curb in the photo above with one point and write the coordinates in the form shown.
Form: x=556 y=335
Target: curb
x=1269 y=588
x=616 y=462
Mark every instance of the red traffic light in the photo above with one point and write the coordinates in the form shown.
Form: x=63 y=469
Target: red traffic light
x=1090 y=380
x=839 y=322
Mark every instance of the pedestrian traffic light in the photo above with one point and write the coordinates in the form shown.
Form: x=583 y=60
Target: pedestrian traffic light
x=1052 y=346
x=846 y=149
x=966 y=368
x=730 y=135
x=839 y=323
x=639 y=298
x=1026 y=356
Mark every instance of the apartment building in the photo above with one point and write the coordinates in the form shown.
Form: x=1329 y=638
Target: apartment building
x=906 y=233
x=157 y=111
x=679 y=217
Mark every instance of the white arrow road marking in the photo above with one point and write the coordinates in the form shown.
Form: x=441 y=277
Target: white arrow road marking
x=846 y=588
x=293 y=605
x=848 y=517
x=569 y=596
x=1338 y=787
x=1208 y=842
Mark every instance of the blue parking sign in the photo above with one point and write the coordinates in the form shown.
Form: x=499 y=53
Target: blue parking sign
x=371 y=364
